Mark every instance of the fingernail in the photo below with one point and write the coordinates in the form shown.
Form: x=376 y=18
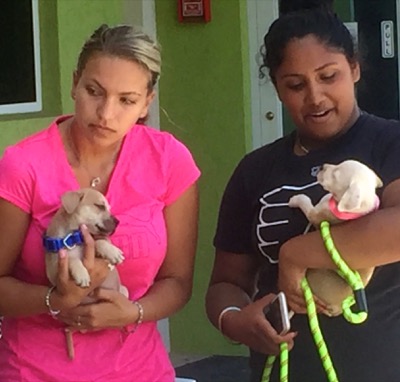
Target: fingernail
x=62 y=253
x=84 y=226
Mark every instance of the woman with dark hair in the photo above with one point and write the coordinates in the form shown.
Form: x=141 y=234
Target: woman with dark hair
x=260 y=243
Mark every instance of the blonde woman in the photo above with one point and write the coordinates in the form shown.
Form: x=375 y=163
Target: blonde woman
x=148 y=177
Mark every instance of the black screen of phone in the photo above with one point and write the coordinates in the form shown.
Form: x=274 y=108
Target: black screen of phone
x=273 y=315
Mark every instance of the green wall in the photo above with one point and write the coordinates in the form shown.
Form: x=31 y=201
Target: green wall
x=345 y=9
x=64 y=25
x=205 y=102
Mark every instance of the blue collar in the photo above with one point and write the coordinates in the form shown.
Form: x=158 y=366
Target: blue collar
x=54 y=244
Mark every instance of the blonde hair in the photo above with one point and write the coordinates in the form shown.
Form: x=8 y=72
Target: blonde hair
x=123 y=41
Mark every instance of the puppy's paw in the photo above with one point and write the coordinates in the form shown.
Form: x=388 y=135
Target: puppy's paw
x=297 y=201
x=81 y=276
x=115 y=255
x=110 y=252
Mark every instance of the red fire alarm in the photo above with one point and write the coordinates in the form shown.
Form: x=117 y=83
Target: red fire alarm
x=194 y=10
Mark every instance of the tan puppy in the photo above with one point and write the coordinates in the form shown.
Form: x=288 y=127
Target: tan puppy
x=90 y=207
x=351 y=186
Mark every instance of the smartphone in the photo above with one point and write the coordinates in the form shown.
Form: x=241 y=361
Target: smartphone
x=277 y=313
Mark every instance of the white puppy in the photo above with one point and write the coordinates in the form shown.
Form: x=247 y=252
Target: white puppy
x=351 y=189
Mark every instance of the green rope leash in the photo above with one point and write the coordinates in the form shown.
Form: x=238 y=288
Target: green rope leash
x=318 y=339
x=351 y=277
x=316 y=332
x=284 y=364
x=354 y=280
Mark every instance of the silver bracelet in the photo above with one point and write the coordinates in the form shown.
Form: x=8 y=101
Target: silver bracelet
x=221 y=316
x=132 y=327
x=52 y=312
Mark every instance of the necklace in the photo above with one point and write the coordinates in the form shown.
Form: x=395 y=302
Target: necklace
x=304 y=149
x=94 y=180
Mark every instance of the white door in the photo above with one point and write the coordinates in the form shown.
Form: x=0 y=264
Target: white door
x=266 y=108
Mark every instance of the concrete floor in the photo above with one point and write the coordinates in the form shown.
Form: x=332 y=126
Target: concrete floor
x=212 y=368
x=183 y=359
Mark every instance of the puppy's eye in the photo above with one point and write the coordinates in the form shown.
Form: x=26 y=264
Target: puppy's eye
x=101 y=207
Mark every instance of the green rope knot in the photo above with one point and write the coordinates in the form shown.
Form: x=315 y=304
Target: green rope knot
x=349 y=315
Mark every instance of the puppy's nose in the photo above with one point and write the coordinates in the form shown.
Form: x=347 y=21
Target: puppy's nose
x=110 y=224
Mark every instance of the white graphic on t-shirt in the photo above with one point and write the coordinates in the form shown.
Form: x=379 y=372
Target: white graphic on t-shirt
x=315 y=171
x=266 y=241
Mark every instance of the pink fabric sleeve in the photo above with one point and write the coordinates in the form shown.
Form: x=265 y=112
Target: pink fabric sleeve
x=16 y=179
x=180 y=171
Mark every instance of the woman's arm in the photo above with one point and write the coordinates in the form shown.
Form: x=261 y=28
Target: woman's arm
x=172 y=288
x=233 y=283
x=370 y=241
x=366 y=242
x=18 y=298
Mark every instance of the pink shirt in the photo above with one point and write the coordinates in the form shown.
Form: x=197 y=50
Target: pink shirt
x=152 y=171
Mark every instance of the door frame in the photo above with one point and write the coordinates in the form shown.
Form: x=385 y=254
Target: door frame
x=146 y=20
x=263 y=95
x=150 y=27
x=397 y=46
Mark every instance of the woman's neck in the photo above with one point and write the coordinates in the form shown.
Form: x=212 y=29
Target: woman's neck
x=305 y=144
x=92 y=165
x=85 y=151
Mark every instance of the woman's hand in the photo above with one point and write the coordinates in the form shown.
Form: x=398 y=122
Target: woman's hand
x=289 y=282
x=250 y=327
x=111 y=310
x=67 y=294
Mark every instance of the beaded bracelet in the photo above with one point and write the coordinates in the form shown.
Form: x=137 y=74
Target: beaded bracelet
x=131 y=328
x=221 y=316
x=52 y=312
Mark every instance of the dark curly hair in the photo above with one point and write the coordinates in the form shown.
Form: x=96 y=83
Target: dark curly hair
x=320 y=22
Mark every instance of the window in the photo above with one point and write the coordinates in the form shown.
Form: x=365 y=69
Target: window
x=20 y=80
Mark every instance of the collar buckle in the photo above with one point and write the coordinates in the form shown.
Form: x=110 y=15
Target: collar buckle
x=65 y=242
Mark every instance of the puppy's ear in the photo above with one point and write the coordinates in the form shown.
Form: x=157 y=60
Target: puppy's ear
x=70 y=201
x=351 y=199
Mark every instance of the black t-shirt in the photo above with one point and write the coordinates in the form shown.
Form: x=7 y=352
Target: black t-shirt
x=255 y=220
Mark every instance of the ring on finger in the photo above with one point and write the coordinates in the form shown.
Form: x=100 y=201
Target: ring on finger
x=110 y=266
